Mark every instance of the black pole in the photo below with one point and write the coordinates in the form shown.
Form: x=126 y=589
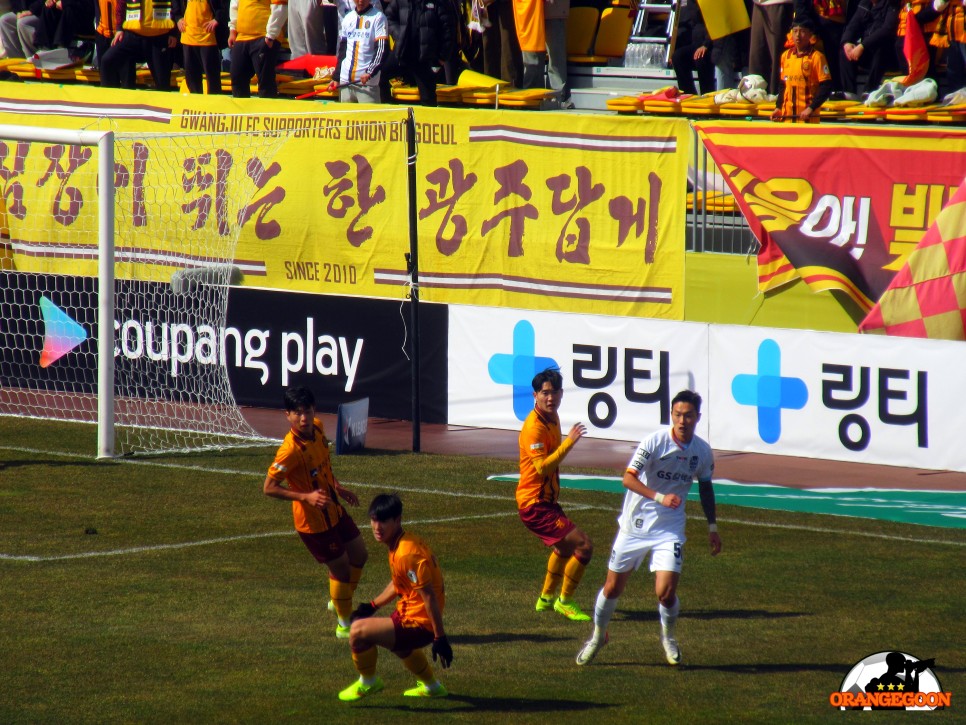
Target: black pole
x=412 y=264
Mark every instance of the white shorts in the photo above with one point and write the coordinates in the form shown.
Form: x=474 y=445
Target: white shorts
x=628 y=553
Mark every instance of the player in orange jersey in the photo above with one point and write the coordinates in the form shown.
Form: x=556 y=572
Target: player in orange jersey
x=542 y=450
x=302 y=474
x=417 y=621
x=804 y=82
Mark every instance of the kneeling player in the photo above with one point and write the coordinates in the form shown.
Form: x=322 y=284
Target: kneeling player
x=418 y=618
x=657 y=480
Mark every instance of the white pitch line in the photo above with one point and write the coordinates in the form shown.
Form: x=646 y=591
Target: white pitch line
x=489 y=497
x=222 y=540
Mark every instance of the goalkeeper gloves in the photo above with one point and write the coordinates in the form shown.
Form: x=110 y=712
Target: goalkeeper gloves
x=443 y=651
x=363 y=611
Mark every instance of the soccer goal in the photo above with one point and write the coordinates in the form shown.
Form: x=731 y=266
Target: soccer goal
x=116 y=257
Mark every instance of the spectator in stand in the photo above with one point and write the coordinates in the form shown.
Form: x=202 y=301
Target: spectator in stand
x=419 y=45
x=145 y=31
x=33 y=26
x=501 y=49
x=955 y=19
x=363 y=45
x=770 y=23
x=254 y=27
x=929 y=21
x=555 y=14
x=868 y=40
x=805 y=80
x=203 y=25
x=306 y=28
x=104 y=28
x=828 y=19
x=693 y=50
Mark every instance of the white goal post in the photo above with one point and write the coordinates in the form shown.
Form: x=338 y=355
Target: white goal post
x=64 y=357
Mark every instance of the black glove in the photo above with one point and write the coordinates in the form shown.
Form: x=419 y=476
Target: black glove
x=363 y=611
x=443 y=651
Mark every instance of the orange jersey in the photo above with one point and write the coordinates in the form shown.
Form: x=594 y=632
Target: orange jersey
x=304 y=466
x=802 y=75
x=917 y=5
x=414 y=567
x=956 y=21
x=541 y=452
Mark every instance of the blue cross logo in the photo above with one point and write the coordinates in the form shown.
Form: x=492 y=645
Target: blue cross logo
x=519 y=367
x=769 y=391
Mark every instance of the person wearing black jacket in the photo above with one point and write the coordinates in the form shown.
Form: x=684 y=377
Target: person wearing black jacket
x=424 y=34
x=868 y=40
x=203 y=25
x=31 y=26
x=693 y=50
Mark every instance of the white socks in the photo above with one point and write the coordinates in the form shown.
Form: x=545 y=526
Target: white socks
x=603 y=611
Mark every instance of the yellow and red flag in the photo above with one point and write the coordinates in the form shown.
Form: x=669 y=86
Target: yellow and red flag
x=915 y=50
x=927 y=297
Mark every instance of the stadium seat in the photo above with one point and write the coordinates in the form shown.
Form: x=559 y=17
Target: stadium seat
x=581 y=27
x=612 y=34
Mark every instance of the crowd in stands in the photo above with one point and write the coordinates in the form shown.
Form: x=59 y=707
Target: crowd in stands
x=431 y=41
x=858 y=42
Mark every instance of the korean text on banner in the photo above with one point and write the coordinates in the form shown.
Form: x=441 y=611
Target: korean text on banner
x=838 y=207
x=524 y=210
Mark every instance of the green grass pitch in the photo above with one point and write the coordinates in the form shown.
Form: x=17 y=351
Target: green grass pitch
x=195 y=602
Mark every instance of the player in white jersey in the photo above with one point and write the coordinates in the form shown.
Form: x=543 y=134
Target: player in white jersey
x=363 y=42
x=652 y=519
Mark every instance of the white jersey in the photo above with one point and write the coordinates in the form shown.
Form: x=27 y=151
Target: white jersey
x=361 y=34
x=662 y=465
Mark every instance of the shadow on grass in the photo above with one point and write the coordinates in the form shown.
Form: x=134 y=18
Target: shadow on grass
x=470 y=703
x=504 y=637
x=651 y=615
x=48 y=463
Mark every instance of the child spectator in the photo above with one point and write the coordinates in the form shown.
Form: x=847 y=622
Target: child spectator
x=804 y=82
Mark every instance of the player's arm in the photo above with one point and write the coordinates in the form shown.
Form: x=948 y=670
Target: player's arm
x=633 y=483
x=277 y=489
x=706 y=492
x=545 y=464
x=385 y=597
x=441 y=648
x=344 y=493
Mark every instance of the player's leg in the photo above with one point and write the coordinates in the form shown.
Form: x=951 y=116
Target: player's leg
x=340 y=592
x=365 y=637
x=626 y=556
x=358 y=556
x=666 y=561
x=410 y=644
x=581 y=550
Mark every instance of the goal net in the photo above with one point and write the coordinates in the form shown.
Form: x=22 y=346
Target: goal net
x=154 y=219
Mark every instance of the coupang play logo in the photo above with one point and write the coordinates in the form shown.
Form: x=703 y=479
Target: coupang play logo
x=61 y=333
x=518 y=367
x=769 y=391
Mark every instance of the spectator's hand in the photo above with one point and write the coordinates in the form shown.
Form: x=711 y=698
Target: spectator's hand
x=443 y=651
x=364 y=78
x=363 y=611
x=211 y=25
x=118 y=36
x=232 y=34
x=269 y=42
x=182 y=25
x=172 y=42
x=699 y=53
x=806 y=113
x=857 y=51
x=24 y=14
x=776 y=115
x=332 y=86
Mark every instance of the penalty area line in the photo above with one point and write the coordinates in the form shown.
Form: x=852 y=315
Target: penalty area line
x=220 y=540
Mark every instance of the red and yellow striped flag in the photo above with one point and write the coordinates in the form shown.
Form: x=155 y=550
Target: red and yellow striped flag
x=915 y=50
x=927 y=298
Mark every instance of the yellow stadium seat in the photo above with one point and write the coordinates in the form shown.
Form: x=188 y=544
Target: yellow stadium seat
x=581 y=26
x=612 y=34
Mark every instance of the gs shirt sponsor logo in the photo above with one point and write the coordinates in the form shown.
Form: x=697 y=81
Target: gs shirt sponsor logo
x=673 y=476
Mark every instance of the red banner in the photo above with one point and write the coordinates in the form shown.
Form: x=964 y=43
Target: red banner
x=840 y=207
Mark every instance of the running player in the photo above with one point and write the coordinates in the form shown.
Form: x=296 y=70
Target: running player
x=657 y=480
x=541 y=453
x=302 y=474
x=418 y=618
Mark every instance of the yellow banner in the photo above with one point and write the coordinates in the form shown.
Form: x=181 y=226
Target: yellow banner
x=535 y=210
x=724 y=17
